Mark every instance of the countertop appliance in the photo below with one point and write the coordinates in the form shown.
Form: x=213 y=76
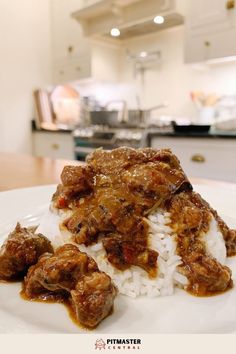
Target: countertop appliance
x=191 y=128
x=87 y=139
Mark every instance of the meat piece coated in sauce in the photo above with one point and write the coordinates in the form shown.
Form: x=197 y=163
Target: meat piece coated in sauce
x=206 y=276
x=76 y=180
x=228 y=234
x=127 y=183
x=92 y=298
x=72 y=277
x=58 y=271
x=190 y=218
x=21 y=250
x=123 y=253
x=204 y=208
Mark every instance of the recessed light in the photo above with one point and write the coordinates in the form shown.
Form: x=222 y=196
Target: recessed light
x=159 y=20
x=143 y=54
x=115 y=32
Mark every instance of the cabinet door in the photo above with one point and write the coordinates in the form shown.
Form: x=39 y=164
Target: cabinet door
x=76 y=42
x=203 y=158
x=58 y=28
x=210 y=46
x=71 y=70
x=68 y=42
x=74 y=57
x=210 y=15
x=53 y=145
x=210 y=31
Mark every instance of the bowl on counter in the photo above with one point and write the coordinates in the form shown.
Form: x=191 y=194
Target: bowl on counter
x=190 y=128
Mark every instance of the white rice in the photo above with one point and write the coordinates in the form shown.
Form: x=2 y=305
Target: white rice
x=135 y=282
x=214 y=241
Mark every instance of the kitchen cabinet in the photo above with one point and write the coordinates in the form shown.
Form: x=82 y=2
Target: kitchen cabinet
x=75 y=57
x=56 y=145
x=133 y=17
x=210 y=30
x=67 y=38
x=70 y=50
x=202 y=157
x=207 y=15
x=71 y=69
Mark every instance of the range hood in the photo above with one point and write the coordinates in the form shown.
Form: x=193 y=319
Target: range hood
x=132 y=17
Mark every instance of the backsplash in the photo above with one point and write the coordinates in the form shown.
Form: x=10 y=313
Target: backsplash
x=170 y=81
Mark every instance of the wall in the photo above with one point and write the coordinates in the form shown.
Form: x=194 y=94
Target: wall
x=106 y=61
x=173 y=80
x=24 y=66
x=170 y=81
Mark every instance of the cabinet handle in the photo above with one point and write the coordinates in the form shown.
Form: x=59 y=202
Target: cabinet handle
x=198 y=158
x=55 y=146
x=207 y=44
x=70 y=49
x=230 y=4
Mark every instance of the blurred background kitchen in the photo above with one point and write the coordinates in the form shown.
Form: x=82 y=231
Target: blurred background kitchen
x=80 y=74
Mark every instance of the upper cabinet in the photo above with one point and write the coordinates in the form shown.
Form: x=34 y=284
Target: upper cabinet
x=67 y=38
x=74 y=57
x=132 y=17
x=211 y=15
x=210 y=30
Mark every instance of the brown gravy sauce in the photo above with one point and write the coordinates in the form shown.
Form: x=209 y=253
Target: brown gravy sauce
x=57 y=299
x=190 y=220
x=125 y=234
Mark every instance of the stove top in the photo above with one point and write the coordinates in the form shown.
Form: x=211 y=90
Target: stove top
x=107 y=133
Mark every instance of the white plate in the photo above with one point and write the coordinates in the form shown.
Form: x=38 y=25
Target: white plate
x=180 y=313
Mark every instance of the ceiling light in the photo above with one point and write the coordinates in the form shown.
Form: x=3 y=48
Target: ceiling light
x=143 y=54
x=115 y=32
x=159 y=20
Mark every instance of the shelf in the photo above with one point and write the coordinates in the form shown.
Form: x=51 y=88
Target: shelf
x=100 y=8
x=133 y=17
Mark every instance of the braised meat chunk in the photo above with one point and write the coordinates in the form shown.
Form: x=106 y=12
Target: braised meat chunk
x=206 y=275
x=58 y=271
x=76 y=180
x=200 y=206
x=115 y=161
x=72 y=277
x=190 y=219
x=152 y=182
x=92 y=299
x=186 y=215
x=122 y=252
x=21 y=250
x=228 y=234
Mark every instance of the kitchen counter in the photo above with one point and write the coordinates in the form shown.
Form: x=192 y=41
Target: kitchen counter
x=64 y=131
x=18 y=171
x=43 y=130
x=150 y=134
